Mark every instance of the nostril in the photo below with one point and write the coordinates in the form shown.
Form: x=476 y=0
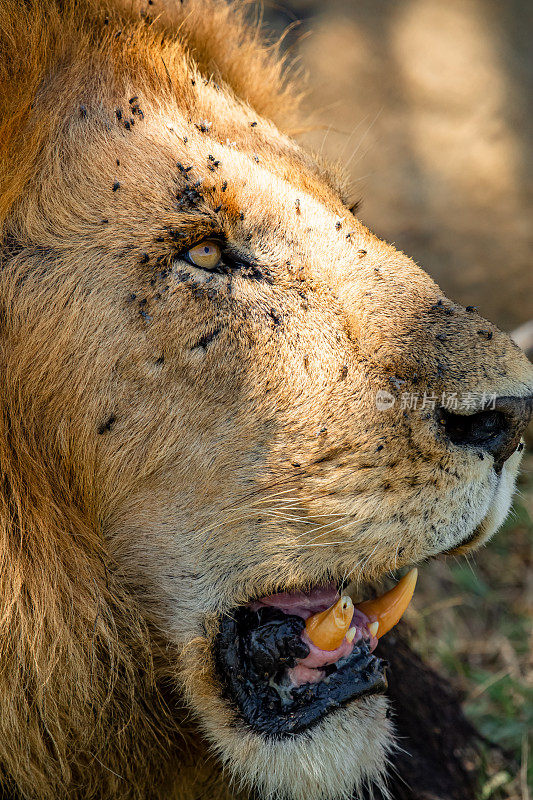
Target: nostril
x=496 y=431
x=474 y=430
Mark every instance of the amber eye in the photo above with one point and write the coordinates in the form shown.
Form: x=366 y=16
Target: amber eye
x=206 y=255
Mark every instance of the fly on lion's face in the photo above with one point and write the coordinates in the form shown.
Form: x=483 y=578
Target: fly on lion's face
x=218 y=378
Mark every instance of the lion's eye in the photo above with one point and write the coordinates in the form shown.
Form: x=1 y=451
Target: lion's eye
x=206 y=255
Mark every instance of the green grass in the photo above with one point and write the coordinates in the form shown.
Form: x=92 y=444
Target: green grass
x=473 y=623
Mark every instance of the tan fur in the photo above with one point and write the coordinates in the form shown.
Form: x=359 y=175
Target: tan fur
x=150 y=482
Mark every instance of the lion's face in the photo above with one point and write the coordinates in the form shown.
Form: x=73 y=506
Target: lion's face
x=283 y=419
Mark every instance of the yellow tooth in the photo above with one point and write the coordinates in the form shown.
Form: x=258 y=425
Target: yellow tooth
x=328 y=628
x=390 y=607
x=373 y=628
x=351 y=634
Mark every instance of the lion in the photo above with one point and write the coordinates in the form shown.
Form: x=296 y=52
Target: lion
x=205 y=360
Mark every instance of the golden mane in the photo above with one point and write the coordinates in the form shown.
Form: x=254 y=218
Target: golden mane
x=80 y=706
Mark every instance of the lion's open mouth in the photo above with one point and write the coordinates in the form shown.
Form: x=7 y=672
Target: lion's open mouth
x=280 y=681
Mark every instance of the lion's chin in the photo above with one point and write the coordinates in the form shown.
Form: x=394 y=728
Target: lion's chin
x=344 y=747
x=343 y=752
x=347 y=750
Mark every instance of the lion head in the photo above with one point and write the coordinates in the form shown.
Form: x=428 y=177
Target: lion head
x=220 y=393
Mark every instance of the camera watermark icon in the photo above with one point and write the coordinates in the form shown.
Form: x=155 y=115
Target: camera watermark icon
x=384 y=400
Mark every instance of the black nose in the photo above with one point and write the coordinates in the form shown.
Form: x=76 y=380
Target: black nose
x=496 y=430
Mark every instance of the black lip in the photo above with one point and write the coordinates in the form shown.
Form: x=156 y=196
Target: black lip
x=252 y=651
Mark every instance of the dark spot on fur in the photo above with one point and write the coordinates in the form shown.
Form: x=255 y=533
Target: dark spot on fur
x=83 y=111
x=127 y=125
x=275 y=315
x=159 y=361
x=207 y=339
x=145 y=258
x=224 y=186
x=116 y=185
x=344 y=373
x=106 y=426
x=118 y=112
x=379 y=448
x=471 y=309
x=253 y=124
x=361 y=253
x=441 y=337
x=485 y=334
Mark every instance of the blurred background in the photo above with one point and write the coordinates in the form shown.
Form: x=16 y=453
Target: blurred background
x=428 y=104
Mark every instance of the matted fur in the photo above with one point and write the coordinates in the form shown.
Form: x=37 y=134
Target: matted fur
x=169 y=451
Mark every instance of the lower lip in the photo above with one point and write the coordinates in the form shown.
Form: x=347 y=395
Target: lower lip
x=267 y=702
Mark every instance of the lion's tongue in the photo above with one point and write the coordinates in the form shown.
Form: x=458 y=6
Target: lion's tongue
x=301 y=604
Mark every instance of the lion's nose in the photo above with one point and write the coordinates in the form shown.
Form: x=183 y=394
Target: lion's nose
x=496 y=430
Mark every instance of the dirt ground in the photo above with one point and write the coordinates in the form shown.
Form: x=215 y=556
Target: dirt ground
x=426 y=103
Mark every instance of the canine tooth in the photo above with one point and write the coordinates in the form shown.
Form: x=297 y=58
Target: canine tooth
x=351 y=634
x=390 y=607
x=373 y=628
x=328 y=628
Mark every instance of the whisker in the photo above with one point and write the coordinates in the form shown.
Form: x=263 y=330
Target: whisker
x=350 y=137
x=363 y=137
